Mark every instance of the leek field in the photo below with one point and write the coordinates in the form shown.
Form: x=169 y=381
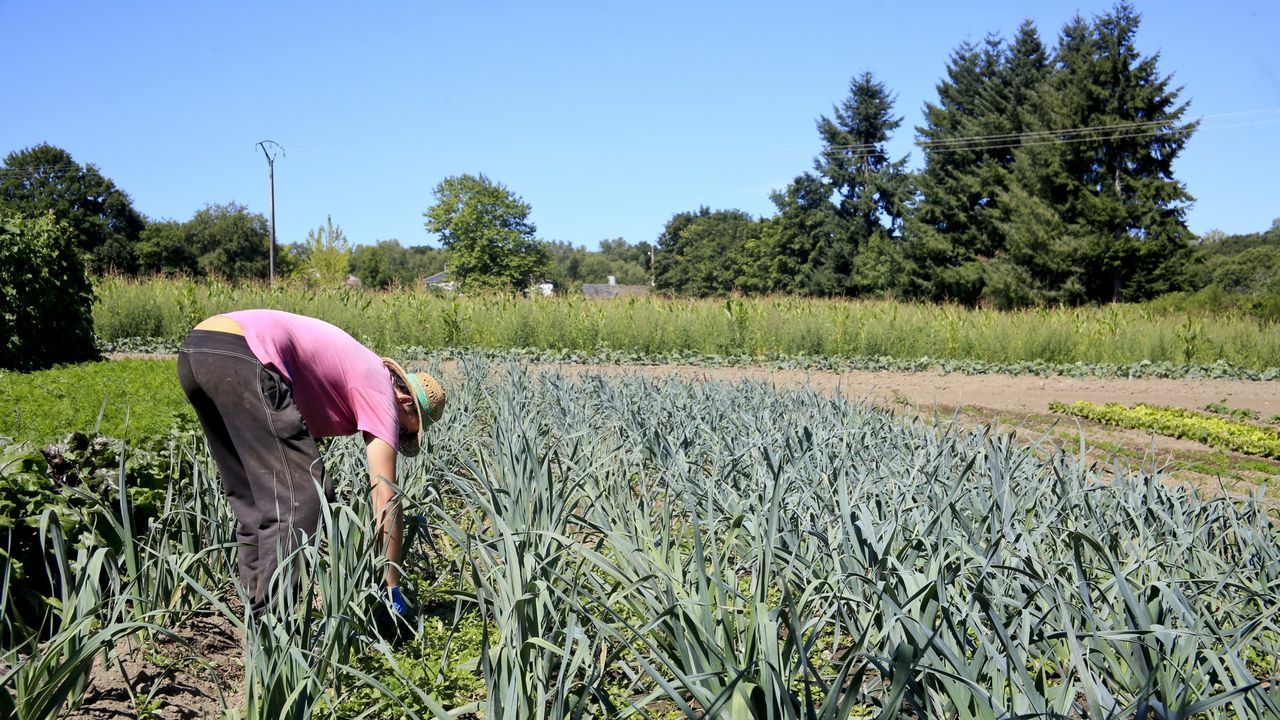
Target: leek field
x=616 y=546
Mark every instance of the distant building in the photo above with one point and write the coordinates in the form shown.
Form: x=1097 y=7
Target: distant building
x=440 y=281
x=546 y=289
x=614 y=290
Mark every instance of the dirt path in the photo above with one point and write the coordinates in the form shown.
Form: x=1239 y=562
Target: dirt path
x=1001 y=393
x=1007 y=394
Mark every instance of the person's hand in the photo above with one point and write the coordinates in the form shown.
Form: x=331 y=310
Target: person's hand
x=399 y=605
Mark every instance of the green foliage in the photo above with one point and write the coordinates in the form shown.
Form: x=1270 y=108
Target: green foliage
x=131 y=399
x=386 y=264
x=570 y=267
x=728 y=551
x=326 y=256
x=698 y=553
x=438 y=662
x=1041 y=262
x=1179 y=422
x=1236 y=273
x=229 y=241
x=103 y=224
x=1221 y=408
x=805 y=223
x=222 y=240
x=1116 y=190
x=705 y=253
x=487 y=230
x=46 y=300
x=75 y=485
x=165 y=247
x=870 y=191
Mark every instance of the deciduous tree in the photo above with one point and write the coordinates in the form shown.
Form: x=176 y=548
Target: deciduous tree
x=326 y=256
x=101 y=217
x=705 y=253
x=229 y=241
x=487 y=231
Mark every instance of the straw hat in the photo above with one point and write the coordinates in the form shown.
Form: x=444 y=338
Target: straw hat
x=429 y=397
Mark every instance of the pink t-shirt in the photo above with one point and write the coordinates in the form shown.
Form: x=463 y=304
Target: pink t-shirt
x=341 y=387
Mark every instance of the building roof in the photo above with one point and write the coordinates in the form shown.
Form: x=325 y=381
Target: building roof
x=603 y=291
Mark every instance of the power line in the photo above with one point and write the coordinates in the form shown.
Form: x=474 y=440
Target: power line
x=1056 y=141
x=967 y=139
x=1082 y=134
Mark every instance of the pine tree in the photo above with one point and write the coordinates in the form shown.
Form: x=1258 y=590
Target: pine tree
x=986 y=103
x=1110 y=177
x=791 y=241
x=870 y=190
x=945 y=233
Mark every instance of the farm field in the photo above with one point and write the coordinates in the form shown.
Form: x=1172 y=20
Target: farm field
x=1122 y=340
x=1020 y=404
x=673 y=509
x=641 y=542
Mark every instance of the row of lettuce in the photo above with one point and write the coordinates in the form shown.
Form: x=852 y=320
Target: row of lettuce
x=1224 y=430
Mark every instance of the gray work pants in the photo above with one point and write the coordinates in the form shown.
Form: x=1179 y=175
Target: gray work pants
x=269 y=463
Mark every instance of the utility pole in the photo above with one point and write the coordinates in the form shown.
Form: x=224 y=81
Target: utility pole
x=271 y=177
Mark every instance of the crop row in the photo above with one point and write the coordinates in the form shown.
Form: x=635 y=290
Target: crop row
x=1116 y=335
x=883 y=363
x=1212 y=430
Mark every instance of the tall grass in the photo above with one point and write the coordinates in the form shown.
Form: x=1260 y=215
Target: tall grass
x=1119 y=334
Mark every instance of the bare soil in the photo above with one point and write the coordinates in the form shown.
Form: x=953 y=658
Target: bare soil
x=193 y=676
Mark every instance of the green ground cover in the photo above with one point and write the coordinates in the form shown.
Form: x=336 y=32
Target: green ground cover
x=131 y=399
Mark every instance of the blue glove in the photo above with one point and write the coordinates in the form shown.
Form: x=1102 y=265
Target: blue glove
x=399 y=605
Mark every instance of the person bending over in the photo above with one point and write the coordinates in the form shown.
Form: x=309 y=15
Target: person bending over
x=265 y=384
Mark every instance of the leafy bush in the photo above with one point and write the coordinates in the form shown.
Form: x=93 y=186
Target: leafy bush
x=46 y=300
x=79 y=480
x=1222 y=408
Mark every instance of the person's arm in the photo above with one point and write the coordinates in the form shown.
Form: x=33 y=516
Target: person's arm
x=386 y=504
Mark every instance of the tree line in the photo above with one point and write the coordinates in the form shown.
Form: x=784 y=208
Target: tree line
x=486 y=237
x=1047 y=178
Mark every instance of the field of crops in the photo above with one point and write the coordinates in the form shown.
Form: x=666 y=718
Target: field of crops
x=1129 y=338
x=625 y=547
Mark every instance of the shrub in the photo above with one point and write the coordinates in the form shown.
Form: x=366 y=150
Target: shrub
x=46 y=300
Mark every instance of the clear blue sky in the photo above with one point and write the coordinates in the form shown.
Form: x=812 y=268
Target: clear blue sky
x=606 y=117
